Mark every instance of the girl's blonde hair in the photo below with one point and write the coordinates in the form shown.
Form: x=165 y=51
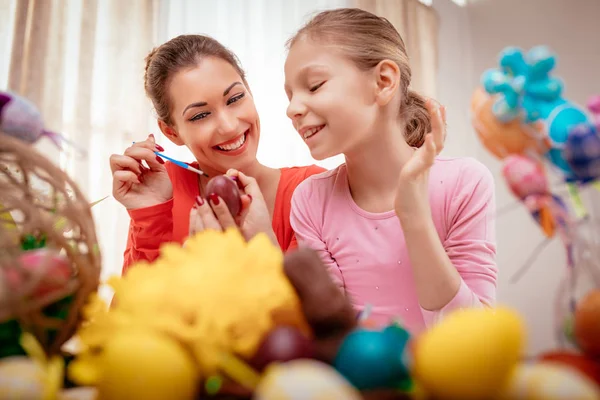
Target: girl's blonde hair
x=367 y=39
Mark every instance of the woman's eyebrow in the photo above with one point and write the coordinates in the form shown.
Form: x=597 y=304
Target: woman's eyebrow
x=203 y=103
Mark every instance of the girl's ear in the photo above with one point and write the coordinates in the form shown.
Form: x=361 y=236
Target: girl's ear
x=387 y=75
x=170 y=132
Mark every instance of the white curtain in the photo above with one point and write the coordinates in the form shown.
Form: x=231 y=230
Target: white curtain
x=86 y=76
x=81 y=63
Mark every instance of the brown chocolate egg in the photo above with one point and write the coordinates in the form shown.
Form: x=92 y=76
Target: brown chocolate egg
x=225 y=187
x=284 y=343
x=327 y=310
x=587 y=324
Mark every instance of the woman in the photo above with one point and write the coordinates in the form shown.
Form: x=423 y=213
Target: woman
x=202 y=101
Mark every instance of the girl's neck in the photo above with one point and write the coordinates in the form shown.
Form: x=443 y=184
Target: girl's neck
x=373 y=169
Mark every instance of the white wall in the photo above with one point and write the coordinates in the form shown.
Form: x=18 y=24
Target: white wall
x=470 y=40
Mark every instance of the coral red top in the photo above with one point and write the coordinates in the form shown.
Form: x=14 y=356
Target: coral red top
x=150 y=227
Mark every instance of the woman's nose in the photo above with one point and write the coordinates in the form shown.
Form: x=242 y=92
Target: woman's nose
x=227 y=123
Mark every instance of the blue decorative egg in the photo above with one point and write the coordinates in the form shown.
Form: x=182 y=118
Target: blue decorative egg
x=375 y=359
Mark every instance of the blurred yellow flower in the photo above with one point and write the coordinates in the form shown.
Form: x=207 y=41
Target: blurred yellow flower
x=219 y=295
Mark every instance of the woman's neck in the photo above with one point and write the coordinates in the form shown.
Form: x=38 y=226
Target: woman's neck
x=374 y=168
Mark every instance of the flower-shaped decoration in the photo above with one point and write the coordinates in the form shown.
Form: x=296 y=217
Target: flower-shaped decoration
x=525 y=87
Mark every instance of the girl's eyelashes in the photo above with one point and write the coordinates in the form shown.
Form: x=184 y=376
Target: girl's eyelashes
x=205 y=114
x=315 y=87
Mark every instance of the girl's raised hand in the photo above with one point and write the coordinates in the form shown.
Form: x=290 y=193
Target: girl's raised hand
x=412 y=195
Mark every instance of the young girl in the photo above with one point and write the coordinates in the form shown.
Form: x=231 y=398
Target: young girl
x=202 y=101
x=402 y=230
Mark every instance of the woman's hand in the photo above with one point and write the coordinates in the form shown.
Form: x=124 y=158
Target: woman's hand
x=212 y=212
x=138 y=186
x=412 y=197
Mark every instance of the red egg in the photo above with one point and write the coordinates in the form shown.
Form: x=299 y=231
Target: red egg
x=227 y=189
x=53 y=269
x=582 y=363
x=282 y=344
x=587 y=324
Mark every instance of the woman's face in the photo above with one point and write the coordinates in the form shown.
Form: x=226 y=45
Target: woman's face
x=214 y=115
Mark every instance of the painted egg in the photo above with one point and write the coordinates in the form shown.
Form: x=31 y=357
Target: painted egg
x=20 y=118
x=374 y=359
x=470 y=353
x=587 y=323
x=53 y=268
x=146 y=365
x=304 y=380
x=79 y=393
x=548 y=381
x=524 y=176
x=502 y=139
x=284 y=343
x=584 y=364
x=20 y=378
x=582 y=153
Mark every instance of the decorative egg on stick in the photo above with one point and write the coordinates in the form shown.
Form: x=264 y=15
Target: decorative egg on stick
x=21 y=119
x=582 y=148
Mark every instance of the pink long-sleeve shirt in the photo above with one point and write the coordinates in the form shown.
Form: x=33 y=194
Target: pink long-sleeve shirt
x=366 y=253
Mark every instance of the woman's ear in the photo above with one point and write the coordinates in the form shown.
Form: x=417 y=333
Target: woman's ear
x=387 y=75
x=170 y=132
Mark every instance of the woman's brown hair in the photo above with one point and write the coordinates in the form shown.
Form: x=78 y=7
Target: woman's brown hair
x=367 y=39
x=181 y=52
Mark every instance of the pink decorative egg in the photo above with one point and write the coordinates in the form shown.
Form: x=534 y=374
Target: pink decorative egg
x=51 y=270
x=524 y=176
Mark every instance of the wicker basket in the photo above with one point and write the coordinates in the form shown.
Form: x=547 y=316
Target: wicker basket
x=43 y=210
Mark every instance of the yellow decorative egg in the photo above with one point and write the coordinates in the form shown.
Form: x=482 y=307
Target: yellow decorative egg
x=304 y=380
x=138 y=364
x=20 y=378
x=470 y=354
x=545 y=381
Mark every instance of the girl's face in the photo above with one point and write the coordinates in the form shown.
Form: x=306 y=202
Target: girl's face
x=332 y=103
x=214 y=115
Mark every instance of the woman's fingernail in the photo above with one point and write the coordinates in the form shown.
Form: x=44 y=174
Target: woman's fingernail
x=151 y=135
x=159 y=147
x=199 y=201
x=160 y=160
x=214 y=199
x=234 y=178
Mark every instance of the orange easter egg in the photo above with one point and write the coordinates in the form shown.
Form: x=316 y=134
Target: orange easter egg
x=582 y=363
x=502 y=139
x=587 y=324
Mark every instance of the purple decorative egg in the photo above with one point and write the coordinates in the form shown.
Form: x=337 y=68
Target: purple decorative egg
x=582 y=152
x=20 y=118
